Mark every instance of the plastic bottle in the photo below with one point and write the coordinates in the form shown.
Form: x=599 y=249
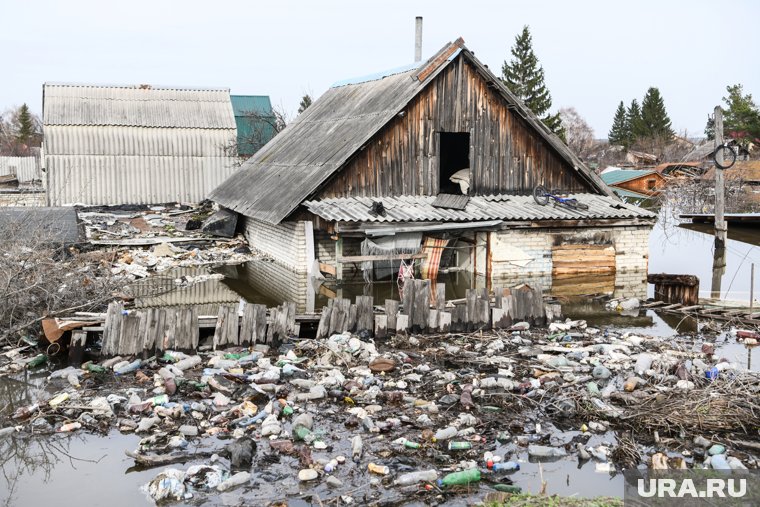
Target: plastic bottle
x=25 y=412
x=378 y=469
x=445 y=433
x=460 y=478
x=95 y=368
x=459 y=446
x=411 y=445
x=719 y=462
x=58 y=400
x=416 y=477
x=509 y=466
x=159 y=400
x=543 y=451
x=357 y=447
x=37 y=360
x=600 y=372
x=133 y=366
x=234 y=481
x=712 y=373
x=507 y=488
x=643 y=363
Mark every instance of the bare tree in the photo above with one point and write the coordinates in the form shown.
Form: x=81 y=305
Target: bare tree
x=579 y=134
x=40 y=278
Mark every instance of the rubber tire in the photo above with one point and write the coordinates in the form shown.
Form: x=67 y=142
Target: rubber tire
x=539 y=195
x=729 y=157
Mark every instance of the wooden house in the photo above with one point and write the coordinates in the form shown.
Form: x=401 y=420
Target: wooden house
x=645 y=182
x=434 y=162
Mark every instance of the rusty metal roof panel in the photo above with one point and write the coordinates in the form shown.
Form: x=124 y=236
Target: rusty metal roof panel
x=479 y=208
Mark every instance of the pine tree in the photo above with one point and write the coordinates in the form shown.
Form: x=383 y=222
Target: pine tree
x=741 y=118
x=525 y=78
x=710 y=127
x=634 y=128
x=618 y=133
x=25 y=128
x=654 y=118
x=305 y=103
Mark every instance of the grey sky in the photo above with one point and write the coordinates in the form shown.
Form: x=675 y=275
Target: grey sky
x=595 y=53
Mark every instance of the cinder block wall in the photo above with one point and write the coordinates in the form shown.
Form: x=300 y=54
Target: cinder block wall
x=285 y=242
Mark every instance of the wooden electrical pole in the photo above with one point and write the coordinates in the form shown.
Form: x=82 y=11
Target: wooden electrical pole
x=720 y=192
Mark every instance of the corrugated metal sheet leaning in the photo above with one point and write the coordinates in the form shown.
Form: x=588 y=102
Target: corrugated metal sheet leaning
x=135 y=144
x=25 y=169
x=512 y=207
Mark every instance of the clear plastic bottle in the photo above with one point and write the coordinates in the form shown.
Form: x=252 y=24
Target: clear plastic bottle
x=445 y=433
x=416 y=477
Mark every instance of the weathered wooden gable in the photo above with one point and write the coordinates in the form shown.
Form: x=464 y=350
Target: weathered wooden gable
x=506 y=154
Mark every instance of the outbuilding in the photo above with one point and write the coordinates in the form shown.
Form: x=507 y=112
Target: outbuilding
x=435 y=163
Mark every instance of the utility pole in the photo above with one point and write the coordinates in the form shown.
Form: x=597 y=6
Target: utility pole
x=719 y=254
x=720 y=190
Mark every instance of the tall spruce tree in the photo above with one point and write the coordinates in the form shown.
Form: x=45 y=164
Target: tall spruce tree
x=618 y=133
x=25 y=128
x=634 y=128
x=741 y=119
x=654 y=119
x=525 y=78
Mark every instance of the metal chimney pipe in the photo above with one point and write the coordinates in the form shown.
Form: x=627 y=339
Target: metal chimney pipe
x=418 y=39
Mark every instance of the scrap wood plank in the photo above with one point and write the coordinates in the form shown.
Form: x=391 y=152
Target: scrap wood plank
x=653 y=304
x=153 y=241
x=674 y=306
x=689 y=308
x=226 y=331
x=364 y=314
x=391 y=310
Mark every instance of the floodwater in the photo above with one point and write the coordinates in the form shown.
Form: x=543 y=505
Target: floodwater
x=62 y=470
x=688 y=249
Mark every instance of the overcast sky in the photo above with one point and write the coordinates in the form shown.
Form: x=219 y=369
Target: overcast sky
x=595 y=53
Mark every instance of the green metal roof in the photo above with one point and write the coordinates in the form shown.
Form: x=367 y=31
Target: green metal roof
x=621 y=175
x=254 y=120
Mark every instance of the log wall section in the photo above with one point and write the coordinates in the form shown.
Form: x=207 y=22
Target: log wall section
x=506 y=154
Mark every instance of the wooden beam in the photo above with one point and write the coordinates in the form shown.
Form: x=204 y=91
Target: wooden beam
x=326 y=268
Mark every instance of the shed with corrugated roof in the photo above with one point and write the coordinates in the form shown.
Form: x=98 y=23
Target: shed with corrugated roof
x=135 y=144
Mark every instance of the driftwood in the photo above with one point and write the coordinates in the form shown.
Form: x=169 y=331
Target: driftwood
x=166 y=459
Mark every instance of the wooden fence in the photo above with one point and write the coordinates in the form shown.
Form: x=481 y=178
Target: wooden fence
x=153 y=330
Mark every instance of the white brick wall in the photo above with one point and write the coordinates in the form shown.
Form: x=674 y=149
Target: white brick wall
x=285 y=242
x=523 y=255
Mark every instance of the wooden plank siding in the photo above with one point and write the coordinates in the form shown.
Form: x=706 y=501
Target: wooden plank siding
x=506 y=154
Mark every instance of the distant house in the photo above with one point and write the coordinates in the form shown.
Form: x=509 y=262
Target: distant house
x=255 y=122
x=634 y=183
x=702 y=153
x=436 y=160
x=134 y=144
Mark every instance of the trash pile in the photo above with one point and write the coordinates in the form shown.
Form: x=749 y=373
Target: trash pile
x=157 y=238
x=412 y=417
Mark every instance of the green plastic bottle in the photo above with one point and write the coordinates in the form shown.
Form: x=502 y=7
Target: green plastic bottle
x=302 y=433
x=459 y=446
x=411 y=445
x=37 y=360
x=507 y=488
x=460 y=478
x=95 y=368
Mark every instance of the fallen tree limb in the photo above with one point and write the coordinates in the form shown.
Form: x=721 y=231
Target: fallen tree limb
x=165 y=459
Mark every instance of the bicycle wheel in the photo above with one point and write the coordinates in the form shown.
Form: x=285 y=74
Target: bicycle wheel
x=728 y=158
x=540 y=195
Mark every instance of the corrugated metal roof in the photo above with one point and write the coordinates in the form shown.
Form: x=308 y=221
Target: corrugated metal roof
x=501 y=207
x=136 y=106
x=451 y=201
x=623 y=175
x=134 y=145
x=289 y=169
x=245 y=104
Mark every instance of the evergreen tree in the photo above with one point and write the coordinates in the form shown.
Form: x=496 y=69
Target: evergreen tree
x=305 y=103
x=710 y=127
x=618 y=133
x=525 y=78
x=25 y=127
x=634 y=128
x=741 y=118
x=654 y=119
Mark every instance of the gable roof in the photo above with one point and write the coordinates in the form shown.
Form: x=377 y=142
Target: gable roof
x=293 y=166
x=623 y=175
x=136 y=106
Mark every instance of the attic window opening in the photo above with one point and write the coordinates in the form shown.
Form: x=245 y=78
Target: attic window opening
x=454 y=157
